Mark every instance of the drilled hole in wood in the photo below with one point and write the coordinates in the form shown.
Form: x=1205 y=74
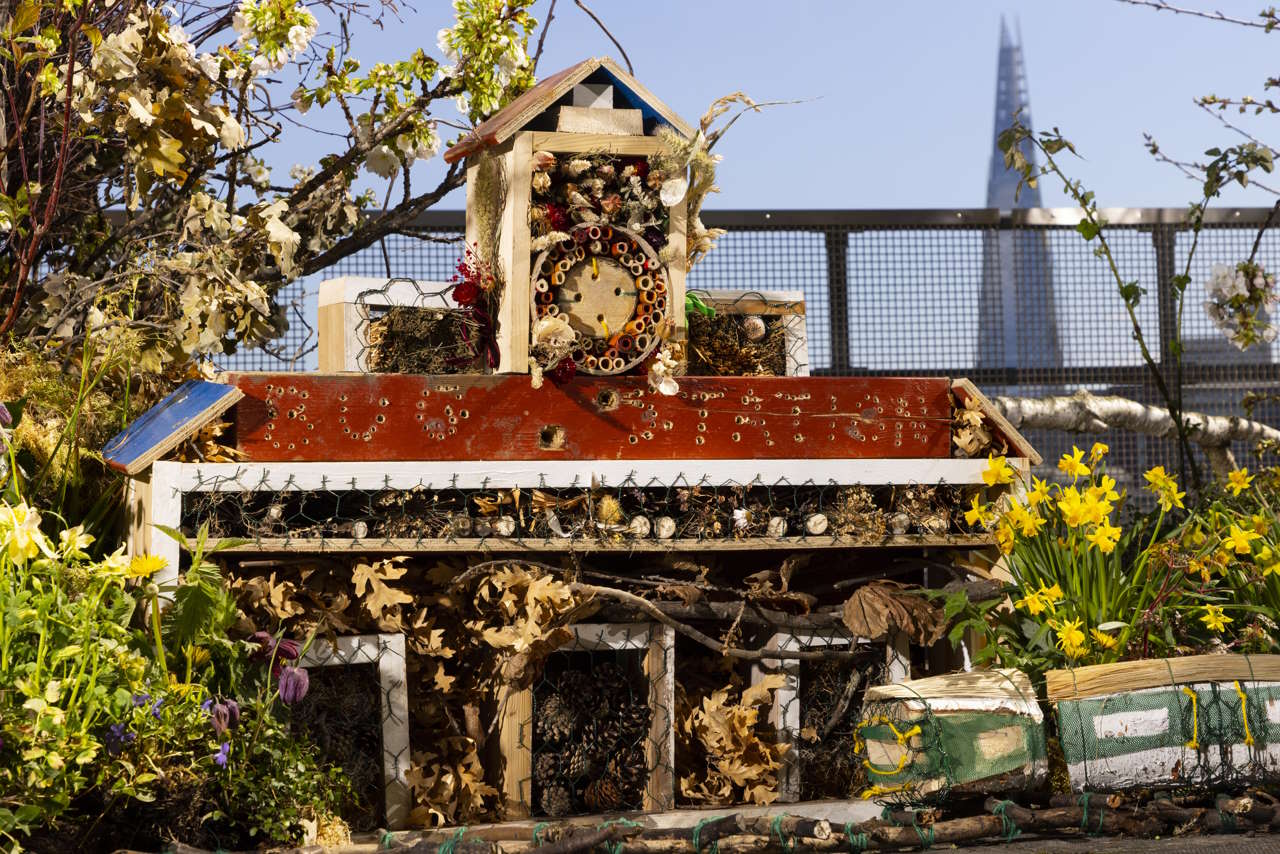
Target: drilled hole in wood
x=551 y=437
x=380 y=418
x=607 y=400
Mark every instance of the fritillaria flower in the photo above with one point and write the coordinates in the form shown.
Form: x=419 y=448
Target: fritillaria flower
x=223 y=714
x=294 y=683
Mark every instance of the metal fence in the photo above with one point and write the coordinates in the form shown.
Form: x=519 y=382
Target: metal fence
x=1016 y=301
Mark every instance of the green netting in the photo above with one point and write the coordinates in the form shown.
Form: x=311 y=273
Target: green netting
x=919 y=749
x=1203 y=734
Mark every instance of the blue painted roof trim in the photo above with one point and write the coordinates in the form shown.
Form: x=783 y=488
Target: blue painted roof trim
x=169 y=421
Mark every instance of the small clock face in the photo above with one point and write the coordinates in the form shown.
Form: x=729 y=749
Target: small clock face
x=610 y=287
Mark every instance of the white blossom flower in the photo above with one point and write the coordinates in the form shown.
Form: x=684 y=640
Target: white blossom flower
x=442 y=42
x=240 y=23
x=661 y=377
x=257 y=171
x=382 y=161
x=210 y=64
x=259 y=66
x=299 y=36
x=301 y=173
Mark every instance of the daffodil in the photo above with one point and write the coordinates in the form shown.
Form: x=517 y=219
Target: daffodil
x=1264 y=556
x=1072 y=464
x=1052 y=595
x=1239 y=539
x=1271 y=569
x=1165 y=488
x=998 y=471
x=1105 y=536
x=978 y=515
x=1071 y=507
x=145 y=566
x=1026 y=522
x=1097 y=452
x=1105 y=488
x=1033 y=604
x=1200 y=567
x=1214 y=618
x=1103 y=639
x=1039 y=492
x=1238 y=481
x=1004 y=538
x=1261 y=522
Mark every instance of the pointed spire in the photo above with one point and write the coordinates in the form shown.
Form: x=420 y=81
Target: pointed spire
x=1005 y=41
x=1011 y=97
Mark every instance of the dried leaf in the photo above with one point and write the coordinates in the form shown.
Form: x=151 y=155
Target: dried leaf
x=876 y=609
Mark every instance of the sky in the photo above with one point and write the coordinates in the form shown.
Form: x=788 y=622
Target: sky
x=898 y=97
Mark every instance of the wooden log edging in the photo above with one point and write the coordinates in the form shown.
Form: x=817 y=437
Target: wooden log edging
x=1064 y=816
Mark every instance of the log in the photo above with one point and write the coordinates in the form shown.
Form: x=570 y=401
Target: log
x=722 y=611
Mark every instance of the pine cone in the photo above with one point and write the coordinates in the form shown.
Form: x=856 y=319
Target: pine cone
x=556 y=721
x=582 y=762
x=546 y=767
x=611 y=680
x=556 y=801
x=578 y=688
x=603 y=795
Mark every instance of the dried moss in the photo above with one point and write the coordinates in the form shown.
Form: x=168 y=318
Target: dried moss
x=411 y=340
x=719 y=347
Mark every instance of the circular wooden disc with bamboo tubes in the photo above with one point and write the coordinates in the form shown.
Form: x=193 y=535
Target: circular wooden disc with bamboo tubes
x=609 y=285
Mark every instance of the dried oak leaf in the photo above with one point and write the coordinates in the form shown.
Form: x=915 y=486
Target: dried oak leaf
x=375 y=595
x=876 y=609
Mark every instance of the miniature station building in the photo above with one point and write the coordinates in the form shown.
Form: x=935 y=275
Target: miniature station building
x=787 y=451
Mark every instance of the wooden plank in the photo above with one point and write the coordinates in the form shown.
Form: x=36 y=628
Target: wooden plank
x=596 y=120
x=137 y=514
x=965 y=390
x=409 y=545
x=514 y=324
x=660 y=749
x=166 y=509
x=1012 y=685
x=333 y=344
x=168 y=424
x=515 y=745
x=595 y=143
x=1100 y=679
x=401 y=417
x=677 y=267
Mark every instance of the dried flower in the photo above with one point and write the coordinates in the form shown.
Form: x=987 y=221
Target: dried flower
x=293 y=684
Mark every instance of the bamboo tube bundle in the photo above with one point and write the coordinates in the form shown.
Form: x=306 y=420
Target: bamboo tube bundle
x=1204 y=720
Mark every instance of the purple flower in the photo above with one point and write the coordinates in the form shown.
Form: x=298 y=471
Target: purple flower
x=155 y=708
x=275 y=650
x=5 y=417
x=224 y=714
x=141 y=699
x=117 y=737
x=220 y=758
x=294 y=683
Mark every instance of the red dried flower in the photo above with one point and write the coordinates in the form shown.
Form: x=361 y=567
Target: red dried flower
x=466 y=292
x=563 y=371
x=557 y=217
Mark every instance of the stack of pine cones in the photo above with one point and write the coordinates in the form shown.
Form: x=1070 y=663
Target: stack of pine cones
x=590 y=730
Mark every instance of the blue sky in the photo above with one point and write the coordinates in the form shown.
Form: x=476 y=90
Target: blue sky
x=900 y=96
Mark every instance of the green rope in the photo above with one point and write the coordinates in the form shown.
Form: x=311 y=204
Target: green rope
x=697 y=837
x=539 y=829
x=925 y=834
x=386 y=839
x=448 y=846
x=1009 y=826
x=1084 y=816
x=776 y=827
x=858 y=842
x=886 y=814
x=616 y=847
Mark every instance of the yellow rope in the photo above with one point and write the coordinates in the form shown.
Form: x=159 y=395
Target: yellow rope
x=1193 y=744
x=1244 y=715
x=875 y=791
x=902 y=741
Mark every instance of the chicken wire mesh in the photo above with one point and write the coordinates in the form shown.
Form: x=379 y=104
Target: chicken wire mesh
x=408 y=326
x=636 y=511
x=1016 y=302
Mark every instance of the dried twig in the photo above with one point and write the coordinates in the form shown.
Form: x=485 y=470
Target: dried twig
x=600 y=24
x=1162 y=6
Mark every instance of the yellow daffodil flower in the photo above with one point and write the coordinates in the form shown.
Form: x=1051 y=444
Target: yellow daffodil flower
x=1239 y=539
x=1214 y=618
x=998 y=471
x=1052 y=595
x=1238 y=481
x=1004 y=538
x=1071 y=464
x=1105 y=488
x=1264 y=556
x=1197 y=566
x=1261 y=523
x=1165 y=488
x=1105 y=536
x=1271 y=568
x=1071 y=638
x=1039 y=492
x=1033 y=604
x=1103 y=639
x=1095 y=509
x=1097 y=452
x=978 y=514
x=1071 y=507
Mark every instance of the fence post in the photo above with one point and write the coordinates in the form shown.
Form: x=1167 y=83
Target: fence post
x=838 y=297
x=1164 y=238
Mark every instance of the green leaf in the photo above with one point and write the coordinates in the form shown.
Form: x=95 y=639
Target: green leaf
x=24 y=18
x=1088 y=229
x=175 y=534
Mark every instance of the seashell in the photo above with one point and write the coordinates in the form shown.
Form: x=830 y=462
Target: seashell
x=664 y=527
x=639 y=526
x=816 y=524
x=673 y=190
x=460 y=525
x=360 y=529
x=934 y=524
x=777 y=527
x=481 y=527
x=504 y=526
x=899 y=522
x=753 y=328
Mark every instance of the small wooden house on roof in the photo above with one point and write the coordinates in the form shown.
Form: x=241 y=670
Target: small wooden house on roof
x=596 y=117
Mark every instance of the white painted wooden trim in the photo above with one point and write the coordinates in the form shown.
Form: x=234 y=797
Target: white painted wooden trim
x=479 y=474
x=784 y=714
x=388 y=653
x=166 y=509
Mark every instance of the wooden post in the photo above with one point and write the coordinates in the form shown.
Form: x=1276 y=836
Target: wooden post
x=515 y=744
x=838 y=299
x=660 y=751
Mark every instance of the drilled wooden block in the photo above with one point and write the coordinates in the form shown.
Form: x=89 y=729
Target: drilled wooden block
x=390 y=417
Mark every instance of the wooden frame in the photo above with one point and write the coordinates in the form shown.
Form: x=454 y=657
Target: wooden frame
x=345 y=305
x=387 y=652
x=513 y=158
x=515 y=710
x=790 y=304
x=170 y=481
x=784 y=714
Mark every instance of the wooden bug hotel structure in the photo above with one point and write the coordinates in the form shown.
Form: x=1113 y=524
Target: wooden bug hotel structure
x=774 y=492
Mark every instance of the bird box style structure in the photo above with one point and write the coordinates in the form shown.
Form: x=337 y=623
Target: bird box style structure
x=612 y=286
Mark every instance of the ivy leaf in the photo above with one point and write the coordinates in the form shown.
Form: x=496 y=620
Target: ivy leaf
x=1088 y=229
